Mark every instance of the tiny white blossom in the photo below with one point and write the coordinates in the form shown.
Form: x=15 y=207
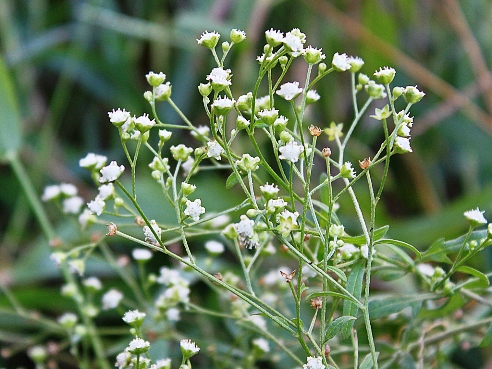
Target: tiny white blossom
x=97 y=205
x=68 y=189
x=312 y=96
x=93 y=282
x=402 y=145
x=133 y=316
x=364 y=251
x=138 y=345
x=194 y=209
x=187 y=165
x=262 y=344
x=51 y=192
x=72 y=205
x=293 y=43
x=106 y=191
x=220 y=77
x=426 y=269
x=143 y=123
x=222 y=105
x=201 y=131
x=173 y=315
x=475 y=217
x=214 y=247
x=289 y=90
x=163 y=363
x=141 y=254
x=149 y=235
x=123 y=360
x=245 y=227
x=86 y=218
x=111 y=172
x=269 y=190
x=214 y=150
x=259 y=321
x=68 y=320
x=118 y=116
x=209 y=39
x=314 y=363
x=341 y=62
x=291 y=151
x=93 y=161
x=274 y=37
x=170 y=277
x=188 y=348
x=111 y=299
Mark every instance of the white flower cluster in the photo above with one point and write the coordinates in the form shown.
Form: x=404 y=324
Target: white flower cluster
x=177 y=292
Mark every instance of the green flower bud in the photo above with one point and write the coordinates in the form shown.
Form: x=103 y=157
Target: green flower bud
x=148 y=96
x=237 y=36
x=242 y=123
x=181 y=152
x=248 y=163
x=187 y=188
x=412 y=94
x=163 y=91
x=155 y=79
x=385 y=75
x=205 y=89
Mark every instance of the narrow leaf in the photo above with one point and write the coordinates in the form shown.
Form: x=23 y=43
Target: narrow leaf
x=484 y=281
x=368 y=363
x=336 y=326
x=354 y=286
x=383 y=307
x=10 y=131
x=400 y=244
x=361 y=240
x=326 y=294
x=340 y=274
x=231 y=180
x=487 y=340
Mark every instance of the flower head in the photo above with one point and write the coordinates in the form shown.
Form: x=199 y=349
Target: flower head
x=149 y=235
x=335 y=130
x=274 y=37
x=111 y=299
x=402 y=145
x=97 y=205
x=289 y=90
x=385 y=75
x=475 y=217
x=181 y=152
x=313 y=55
x=248 y=163
x=93 y=161
x=163 y=91
x=209 y=39
x=291 y=151
x=138 y=346
x=155 y=79
x=220 y=78
x=111 y=172
x=355 y=63
x=141 y=254
x=314 y=363
x=72 y=205
x=119 y=117
x=134 y=317
x=222 y=105
x=340 y=62
x=214 y=150
x=194 y=209
x=188 y=348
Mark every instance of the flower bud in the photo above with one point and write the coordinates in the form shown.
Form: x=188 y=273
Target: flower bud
x=226 y=46
x=155 y=79
x=242 y=123
x=385 y=75
x=286 y=136
x=412 y=94
x=187 y=188
x=209 y=39
x=205 y=89
x=163 y=91
x=237 y=36
x=148 y=96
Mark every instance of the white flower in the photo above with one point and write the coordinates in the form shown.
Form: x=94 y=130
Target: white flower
x=68 y=189
x=289 y=90
x=119 y=116
x=314 y=363
x=356 y=63
x=149 y=235
x=111 y=172
x=86 y=218
x=51 y=192
x=312 y=96
x=341 y=62
x=97 y=205
x=106 y=191
x=123 y=360
x=170 y=277
x=274 y=37
x=259 y=321
x=141 y=254
x=402 y=145
x=426 y=269
x=188 y=165
x=245 y=227
x=163 y=91
x=262 y=344
x=214 y=247
x=188 y=348
x=291 y=151
x=214 y=150
x=347 y=250
x=143 y=123
x=475 y=217
x=209 y=39
x=222 y=105
x=220 y=77
x=163 y=363
x=133 y=316
x=68 y=320
x=72 y=205
x=194 y=209
x=138 y=346
x=93 y=161
x=201 y=131
x=173 y=315
x=93 y=283
x=58 y=258
x=364 y=251
x=269 y=190
x=293 y=43
x=111 y=299
x=287 y=222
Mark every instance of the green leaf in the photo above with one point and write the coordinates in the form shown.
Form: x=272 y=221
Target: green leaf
x=354 y=286
x=361 y=240
x=336 y=326
x=232 y=180
x=487 y=340
x=10 y=120
x=340 y=274
x=437 y=252
x=368 y=363
x=326 y=294
x=452 y=304
x=484 y=281
x=386 y=306
x=400 y=244
x=402 y=254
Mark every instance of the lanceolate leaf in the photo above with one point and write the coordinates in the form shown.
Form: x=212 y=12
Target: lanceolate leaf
x=336 y=326
x=368 y=363
x=383 y=307
x=484 y=281
x=399 y=244
x=361 y=240
x=487 y=340
x=10 y=117
x=354 y=286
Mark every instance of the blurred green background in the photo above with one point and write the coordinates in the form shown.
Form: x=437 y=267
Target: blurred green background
x=65 y=64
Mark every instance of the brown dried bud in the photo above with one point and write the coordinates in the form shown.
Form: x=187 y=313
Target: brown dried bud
x=139 y=221
x=327 y=350
x=307 y=237
x=56 y=242
x=284 y=248
x=288 y=277
x=111 y=229
x=365 y=163
x=326 y=152
x=316 y=303
x=315 y=131
x=218 y=276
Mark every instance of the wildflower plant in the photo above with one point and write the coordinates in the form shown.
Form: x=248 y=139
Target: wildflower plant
x=313 y=307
